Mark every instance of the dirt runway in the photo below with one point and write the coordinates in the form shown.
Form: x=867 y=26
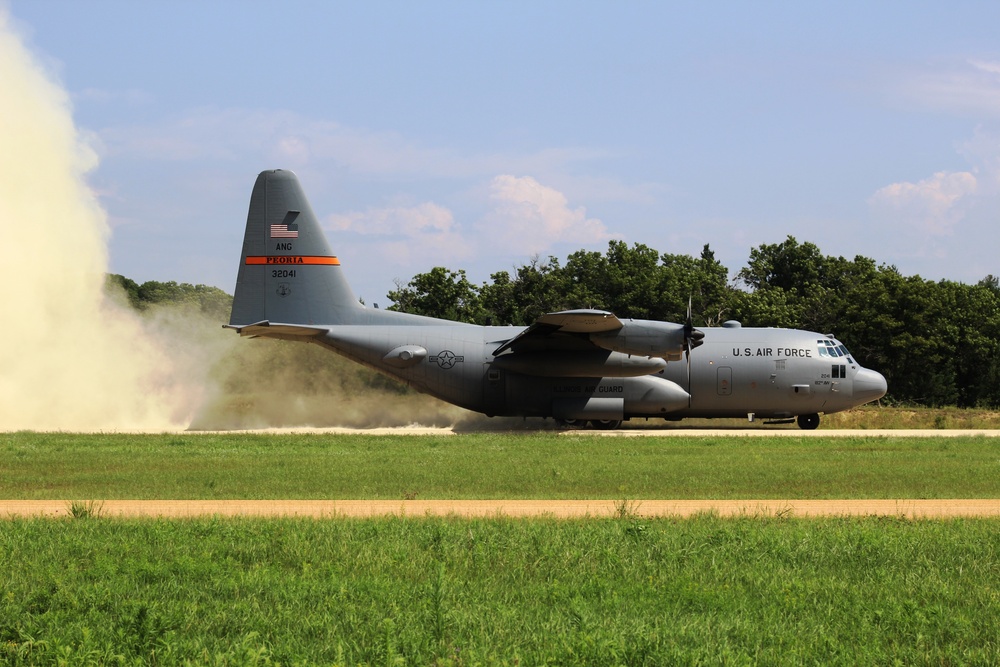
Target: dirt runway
x=565 y=509
x=663 y=432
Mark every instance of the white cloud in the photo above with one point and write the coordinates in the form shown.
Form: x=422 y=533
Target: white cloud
x=991 y=68
x=933 y=205
x=373 y=181
x=518 y=215
x=424 y=235
x=531 y=218
x=983 y=150
x=968 y=87
x=329 y=151
x=208 y=134
x=296 y=140
x=396 y=220
x=945 y=220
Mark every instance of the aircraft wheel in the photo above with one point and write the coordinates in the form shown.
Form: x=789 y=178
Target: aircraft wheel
x=808 y=422
x=570 y=423
x=605 y=424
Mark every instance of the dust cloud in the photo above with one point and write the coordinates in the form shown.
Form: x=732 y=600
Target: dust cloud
x=70 y=359
x=76 y=357
x=263 y=383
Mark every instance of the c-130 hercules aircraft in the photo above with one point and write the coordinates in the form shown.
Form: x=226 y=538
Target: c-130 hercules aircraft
x=577 y=366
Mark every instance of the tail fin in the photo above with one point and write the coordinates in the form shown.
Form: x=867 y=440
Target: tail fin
x=288 y=274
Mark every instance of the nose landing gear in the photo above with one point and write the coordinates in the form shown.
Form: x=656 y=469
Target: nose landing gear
x=605 y=424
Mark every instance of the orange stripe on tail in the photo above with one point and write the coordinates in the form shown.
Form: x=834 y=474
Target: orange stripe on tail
x=292 y=259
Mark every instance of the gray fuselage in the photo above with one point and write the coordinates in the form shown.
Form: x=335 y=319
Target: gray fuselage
x=736 y=371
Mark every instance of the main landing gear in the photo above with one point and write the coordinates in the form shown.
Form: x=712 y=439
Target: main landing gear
x=808 y=422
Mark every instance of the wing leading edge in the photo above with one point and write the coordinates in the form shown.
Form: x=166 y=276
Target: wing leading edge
x=583 y=330
x=540 y=333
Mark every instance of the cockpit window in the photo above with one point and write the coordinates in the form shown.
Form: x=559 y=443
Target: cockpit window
x=833 y=349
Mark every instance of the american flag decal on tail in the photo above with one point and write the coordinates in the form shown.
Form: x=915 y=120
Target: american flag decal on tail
x=288 y=229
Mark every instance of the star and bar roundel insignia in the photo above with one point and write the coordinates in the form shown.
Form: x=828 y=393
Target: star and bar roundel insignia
x=446 y=359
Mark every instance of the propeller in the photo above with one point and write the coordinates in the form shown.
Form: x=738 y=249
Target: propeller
x=692 y=339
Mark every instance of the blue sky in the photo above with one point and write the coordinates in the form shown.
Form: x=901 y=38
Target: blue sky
x=477 y=134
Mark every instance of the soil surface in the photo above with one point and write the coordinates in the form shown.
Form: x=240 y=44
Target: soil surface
x=512 y=508
x=669 y=431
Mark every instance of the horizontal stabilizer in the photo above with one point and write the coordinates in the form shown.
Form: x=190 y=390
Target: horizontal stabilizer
x=283 y=331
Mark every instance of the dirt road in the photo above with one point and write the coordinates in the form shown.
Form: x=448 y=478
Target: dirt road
x=512 y=508
x=668 y=432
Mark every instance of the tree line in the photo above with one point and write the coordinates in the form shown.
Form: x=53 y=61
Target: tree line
x=211 y=301
x=937 y=343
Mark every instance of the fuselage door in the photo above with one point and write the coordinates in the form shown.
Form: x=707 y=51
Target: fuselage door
x=725 y=381
x=494 y=391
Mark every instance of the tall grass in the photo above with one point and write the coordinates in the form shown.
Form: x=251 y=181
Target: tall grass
x=901 y=417
x=85 y=509
x=871 y=416
x=500 y=591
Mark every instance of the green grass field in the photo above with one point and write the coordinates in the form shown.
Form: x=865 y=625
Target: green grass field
x=500 y=591
x=492 y=465
x=497 y=591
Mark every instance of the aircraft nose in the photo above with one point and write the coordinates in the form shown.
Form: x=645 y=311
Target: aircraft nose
x=869 y=385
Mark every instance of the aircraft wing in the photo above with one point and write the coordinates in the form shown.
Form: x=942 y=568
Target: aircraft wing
x=266 y=329
x=548 y=331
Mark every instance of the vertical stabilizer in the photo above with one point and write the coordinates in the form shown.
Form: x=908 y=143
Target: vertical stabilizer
x=288 y=274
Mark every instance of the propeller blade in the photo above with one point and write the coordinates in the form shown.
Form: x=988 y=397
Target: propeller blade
x=687 y=353
x=688 y=332
x=692 y=339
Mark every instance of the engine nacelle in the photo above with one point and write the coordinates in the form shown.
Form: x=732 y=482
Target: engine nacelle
x=615 y=398
x=647 y=338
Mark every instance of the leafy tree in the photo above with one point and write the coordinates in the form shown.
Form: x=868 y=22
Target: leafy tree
x=921 y=366
x=788 y=266
x=703 y=280
x=129 y=287
x=974 y=315
x=585 y=279
x=631 y=281
x=766 y=308
x=440 y=293
x=211 y=301
x=499 y=299
x=632 y=286
x=802 y=275
x=537 y=288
